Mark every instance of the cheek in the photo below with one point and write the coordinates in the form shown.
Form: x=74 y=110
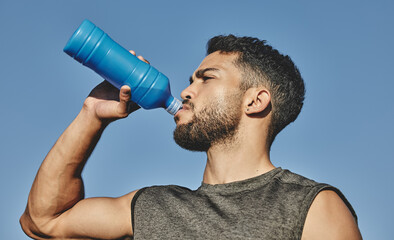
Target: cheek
x=213 y=98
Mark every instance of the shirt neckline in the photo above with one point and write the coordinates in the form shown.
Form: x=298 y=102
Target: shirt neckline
x=238 y=186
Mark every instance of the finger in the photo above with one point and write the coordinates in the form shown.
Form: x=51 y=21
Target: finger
x=143 y=59
x=124 y=98
x=139 y=57
x=105 y=90
x=126 y=105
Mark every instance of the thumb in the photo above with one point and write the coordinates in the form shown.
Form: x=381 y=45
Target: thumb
x=126 y=106
x=124 y=94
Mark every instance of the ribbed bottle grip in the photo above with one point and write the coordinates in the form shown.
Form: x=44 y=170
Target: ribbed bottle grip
x=174 y=106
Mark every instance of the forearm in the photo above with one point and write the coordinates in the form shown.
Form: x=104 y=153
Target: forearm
x=55 y=206
x=58 y=184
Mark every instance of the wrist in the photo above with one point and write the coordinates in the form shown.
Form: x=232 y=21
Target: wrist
x=91 y=121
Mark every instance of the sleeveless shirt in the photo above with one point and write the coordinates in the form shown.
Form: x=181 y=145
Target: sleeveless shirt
x=273 y=205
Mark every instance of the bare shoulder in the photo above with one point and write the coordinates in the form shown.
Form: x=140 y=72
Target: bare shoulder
x=330 y=218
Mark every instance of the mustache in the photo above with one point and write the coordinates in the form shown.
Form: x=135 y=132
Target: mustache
x=187 y=102
x=190 y=107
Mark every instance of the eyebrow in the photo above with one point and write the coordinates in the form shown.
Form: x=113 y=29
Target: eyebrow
x=200 y=73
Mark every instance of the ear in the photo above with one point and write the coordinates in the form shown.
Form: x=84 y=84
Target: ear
x=257 y=100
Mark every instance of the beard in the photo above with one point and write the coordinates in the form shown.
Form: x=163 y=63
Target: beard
x=216 y=123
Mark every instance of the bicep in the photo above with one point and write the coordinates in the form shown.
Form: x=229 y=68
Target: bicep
x=102 y=218
x=330 y=218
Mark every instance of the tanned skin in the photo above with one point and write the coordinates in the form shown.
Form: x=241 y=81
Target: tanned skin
x=57 y=209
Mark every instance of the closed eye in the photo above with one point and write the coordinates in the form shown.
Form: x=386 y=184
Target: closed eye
x=200 y=74
x=205 y=78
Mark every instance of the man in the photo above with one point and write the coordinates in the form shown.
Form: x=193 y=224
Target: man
x=240 y=97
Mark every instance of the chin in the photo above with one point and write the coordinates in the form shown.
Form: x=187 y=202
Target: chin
x=182 y=120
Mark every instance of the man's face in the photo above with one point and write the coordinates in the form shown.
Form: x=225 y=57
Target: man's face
x=212 y=104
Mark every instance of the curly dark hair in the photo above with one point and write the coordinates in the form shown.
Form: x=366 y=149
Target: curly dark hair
x=262 y=65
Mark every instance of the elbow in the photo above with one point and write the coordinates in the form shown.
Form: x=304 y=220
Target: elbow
x=26 y=226
x=31 y=228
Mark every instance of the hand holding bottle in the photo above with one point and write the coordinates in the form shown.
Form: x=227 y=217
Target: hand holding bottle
x=106 y=103
x=92 y=47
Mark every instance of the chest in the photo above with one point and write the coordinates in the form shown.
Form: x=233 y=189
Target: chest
x=249 y=215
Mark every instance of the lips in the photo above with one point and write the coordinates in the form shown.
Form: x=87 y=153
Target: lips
x=185 y=107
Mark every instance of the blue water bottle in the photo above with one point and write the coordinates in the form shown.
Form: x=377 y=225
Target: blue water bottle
x=92 y=47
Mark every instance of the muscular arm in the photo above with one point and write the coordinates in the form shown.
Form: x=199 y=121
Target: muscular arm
x=330 y=219
x=56 y=206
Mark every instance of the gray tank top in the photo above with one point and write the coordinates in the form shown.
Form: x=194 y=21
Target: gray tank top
x=271 y=206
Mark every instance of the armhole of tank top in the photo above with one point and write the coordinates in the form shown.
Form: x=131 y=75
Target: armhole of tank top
x=344 y=199
x=133 y=202
x=320 y=188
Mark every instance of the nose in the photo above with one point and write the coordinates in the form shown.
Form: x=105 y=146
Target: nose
x=188 y=93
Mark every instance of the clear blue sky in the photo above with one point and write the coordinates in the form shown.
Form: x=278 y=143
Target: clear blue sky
x=344 y=135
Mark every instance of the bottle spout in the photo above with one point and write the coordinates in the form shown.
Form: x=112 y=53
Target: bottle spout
x=174 y=106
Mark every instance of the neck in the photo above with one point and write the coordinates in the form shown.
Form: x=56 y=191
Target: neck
x=237 y=160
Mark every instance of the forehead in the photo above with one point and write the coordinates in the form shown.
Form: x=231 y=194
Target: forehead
x=224 y=62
